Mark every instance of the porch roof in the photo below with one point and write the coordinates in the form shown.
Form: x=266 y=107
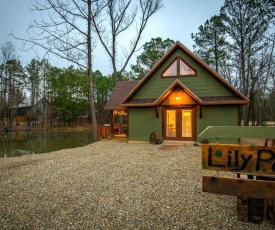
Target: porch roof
x=141 y=102
x=121 y=90
x=222 y=100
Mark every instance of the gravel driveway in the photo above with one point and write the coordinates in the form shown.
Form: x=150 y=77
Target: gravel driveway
x=112 y=185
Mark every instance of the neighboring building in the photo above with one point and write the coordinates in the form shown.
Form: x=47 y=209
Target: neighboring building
x=25 y=113
x=178 y=99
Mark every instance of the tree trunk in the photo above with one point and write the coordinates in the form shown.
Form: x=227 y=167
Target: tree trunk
x=89 y=70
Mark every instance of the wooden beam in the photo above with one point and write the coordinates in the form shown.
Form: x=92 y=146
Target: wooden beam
x=239 y=187
x=112 y=121
x=157 y=113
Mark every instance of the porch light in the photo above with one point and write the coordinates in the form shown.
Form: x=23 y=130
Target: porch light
x=177 y=98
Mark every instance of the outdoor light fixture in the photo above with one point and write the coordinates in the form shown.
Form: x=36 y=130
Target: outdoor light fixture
x=177 y=94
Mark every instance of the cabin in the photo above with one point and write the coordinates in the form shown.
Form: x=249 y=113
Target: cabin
x=25 y=113
x=177 y=99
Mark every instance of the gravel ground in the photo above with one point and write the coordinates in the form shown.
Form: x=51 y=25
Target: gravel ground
x=113 y=185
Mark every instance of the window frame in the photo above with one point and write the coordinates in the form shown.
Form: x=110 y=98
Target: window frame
x=178 y=59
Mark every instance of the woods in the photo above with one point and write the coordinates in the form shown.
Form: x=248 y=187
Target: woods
x=71 y=29
x=238 y=44
x=65 y=89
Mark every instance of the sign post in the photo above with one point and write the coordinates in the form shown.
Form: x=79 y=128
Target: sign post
x=255 y=161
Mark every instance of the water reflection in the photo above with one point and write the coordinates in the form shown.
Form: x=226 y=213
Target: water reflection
x=24 y=143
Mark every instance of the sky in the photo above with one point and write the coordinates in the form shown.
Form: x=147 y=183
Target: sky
x=176 y=20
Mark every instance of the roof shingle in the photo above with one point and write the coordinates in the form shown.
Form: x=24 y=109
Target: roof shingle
x=121 y=90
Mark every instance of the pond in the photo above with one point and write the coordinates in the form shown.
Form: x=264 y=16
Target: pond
x=25 y=143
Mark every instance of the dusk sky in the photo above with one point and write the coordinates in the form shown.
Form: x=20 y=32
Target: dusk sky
x=176 y=20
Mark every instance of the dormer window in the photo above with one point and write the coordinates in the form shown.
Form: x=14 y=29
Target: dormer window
x=179 y=68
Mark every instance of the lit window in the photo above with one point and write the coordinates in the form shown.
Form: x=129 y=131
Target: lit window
x=179 y=68
x=171 y=71
x=185 y=69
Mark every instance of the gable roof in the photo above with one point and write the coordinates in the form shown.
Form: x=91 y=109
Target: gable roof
x=171 y=88
x=158 y=101
x=238 y=97
x=27 y=102
x=200 y=100
x=120 y=91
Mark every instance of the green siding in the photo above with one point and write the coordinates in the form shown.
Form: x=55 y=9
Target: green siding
x=204 y=84
x=142 y=122
x=226 y=115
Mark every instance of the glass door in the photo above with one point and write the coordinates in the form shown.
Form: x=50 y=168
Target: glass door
x=186 y=123
x=171 y=123
x=179 y=124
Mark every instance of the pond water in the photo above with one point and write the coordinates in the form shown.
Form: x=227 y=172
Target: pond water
x=25 y=143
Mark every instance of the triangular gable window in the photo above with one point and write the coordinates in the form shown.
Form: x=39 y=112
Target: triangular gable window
x=179 y=68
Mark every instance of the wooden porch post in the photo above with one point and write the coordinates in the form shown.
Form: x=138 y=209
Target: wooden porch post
x=112 y=122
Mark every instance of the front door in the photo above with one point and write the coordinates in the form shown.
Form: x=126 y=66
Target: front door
x=179 y=124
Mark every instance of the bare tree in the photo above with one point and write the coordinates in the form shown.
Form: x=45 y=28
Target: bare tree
x=119 y=16
x=34 y=77
x=247 y=23
x=7 y=52
x=66 y=31
x=266 y=84
x=11 y=73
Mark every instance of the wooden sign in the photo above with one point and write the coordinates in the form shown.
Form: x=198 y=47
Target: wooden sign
x=258 y=189
x=238 y=158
